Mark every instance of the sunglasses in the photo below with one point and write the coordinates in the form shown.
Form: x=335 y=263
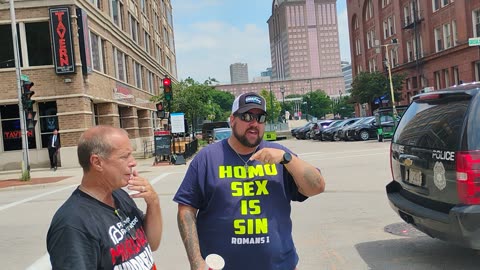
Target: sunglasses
x=249 y=117
x=130 y=230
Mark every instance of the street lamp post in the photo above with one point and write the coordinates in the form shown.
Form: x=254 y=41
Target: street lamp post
x=271 y=103
x=378 y=46
x=282 y=90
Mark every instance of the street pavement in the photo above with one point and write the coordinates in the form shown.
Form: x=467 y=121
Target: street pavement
x=349 y=227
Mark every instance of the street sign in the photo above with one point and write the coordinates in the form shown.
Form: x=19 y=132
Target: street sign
x=24 y=77
x=474 y=41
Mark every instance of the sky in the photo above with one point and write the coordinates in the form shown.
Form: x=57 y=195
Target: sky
x=210 y=35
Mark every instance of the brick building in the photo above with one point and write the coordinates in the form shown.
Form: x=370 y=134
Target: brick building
x=92 y=62
x=433 y=41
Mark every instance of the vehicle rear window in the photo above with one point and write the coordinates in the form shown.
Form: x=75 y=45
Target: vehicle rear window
x=433 y=124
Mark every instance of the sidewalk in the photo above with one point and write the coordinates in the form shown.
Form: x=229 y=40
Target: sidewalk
x=44 y=176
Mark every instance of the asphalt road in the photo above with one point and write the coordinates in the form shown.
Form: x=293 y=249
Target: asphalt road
x=349 y=227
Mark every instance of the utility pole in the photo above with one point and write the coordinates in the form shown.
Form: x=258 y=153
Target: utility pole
x=25 y=161
x=387 y=56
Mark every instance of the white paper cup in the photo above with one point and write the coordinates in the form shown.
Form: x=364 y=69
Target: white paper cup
x=214 y=262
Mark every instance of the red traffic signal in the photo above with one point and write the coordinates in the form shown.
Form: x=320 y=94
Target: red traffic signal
x=167 y=88
x=167 y=82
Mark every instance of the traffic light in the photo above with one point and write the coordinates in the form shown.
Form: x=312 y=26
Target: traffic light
x=27 y=104
x=167 y=88
x=160 y=110
x=27 y=94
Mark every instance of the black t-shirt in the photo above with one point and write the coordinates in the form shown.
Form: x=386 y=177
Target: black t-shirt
x=88 y=234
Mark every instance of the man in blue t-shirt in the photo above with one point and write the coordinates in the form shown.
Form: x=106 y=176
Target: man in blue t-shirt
x=235 y=198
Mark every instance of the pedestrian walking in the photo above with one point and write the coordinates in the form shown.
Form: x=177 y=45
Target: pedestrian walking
x=235 y=198
x=100 y=226
x=53 y=148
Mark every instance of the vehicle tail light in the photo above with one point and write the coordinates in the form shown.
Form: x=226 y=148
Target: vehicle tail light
x=429 y=96
x=468 y=176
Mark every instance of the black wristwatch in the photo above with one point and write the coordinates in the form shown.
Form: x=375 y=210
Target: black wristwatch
x=287 y=157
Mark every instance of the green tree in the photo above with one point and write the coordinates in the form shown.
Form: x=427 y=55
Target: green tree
x=367 y=86
x=199 y=100
x=317 y=103
x=343 y=107
x=273 y=106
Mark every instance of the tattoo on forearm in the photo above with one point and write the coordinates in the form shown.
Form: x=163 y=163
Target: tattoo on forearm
x=311 y=178
x=188 y=231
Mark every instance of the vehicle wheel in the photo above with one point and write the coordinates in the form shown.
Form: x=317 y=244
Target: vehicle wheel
x=364 y=135
x=335 y=137
x=380 y=138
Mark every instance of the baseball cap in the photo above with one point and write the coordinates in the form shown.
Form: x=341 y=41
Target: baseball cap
x=248 y=101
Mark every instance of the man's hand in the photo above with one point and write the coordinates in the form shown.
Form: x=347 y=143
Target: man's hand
x=268 y=155
x=145 y=190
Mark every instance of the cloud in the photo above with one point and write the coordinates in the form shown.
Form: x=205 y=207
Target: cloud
x=210 y=47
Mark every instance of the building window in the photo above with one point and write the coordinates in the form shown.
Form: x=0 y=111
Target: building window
x=438 y=39
x=137 y=70
x=120 y=65
x=455 y=33
x=48 y=120
x=409 y=51
x=11 y=131
x=456 y=76
x=435 y=5
x=116 y=11
x=477 y=71
x=438 y=84
x=38 y=44
x=97 y=3
x=476 y=22
x=98 y=52
x=447 y=36
x=446 y=75
x=391 y=26
x=35 y=47
x=133 y=28
x=143 y=6
x=369 y=10
x=150 y=81
x=147 y=42
x=385 y=29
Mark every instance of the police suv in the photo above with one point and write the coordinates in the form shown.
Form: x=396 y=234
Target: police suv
x=435 y=164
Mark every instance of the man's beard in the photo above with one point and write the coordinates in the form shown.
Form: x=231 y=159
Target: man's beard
x=243 y=138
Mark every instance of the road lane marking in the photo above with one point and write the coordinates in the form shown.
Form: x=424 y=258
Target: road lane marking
x=341 y=152
x=344 y=157
x=6 y=206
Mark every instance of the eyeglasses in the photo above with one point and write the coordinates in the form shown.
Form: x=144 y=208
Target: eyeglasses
x=126 y=222
x=248 y=117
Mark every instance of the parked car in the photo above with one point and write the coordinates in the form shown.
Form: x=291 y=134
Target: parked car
x=295 y=130
x=219 y=134
x=341 y=133
x=435 y=165
x=207 y=128
x=302 y=132
x=363 y=130
x=322 y=125
x=331 y=133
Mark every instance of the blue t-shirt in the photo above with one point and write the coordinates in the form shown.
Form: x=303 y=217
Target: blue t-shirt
x=244 y=215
